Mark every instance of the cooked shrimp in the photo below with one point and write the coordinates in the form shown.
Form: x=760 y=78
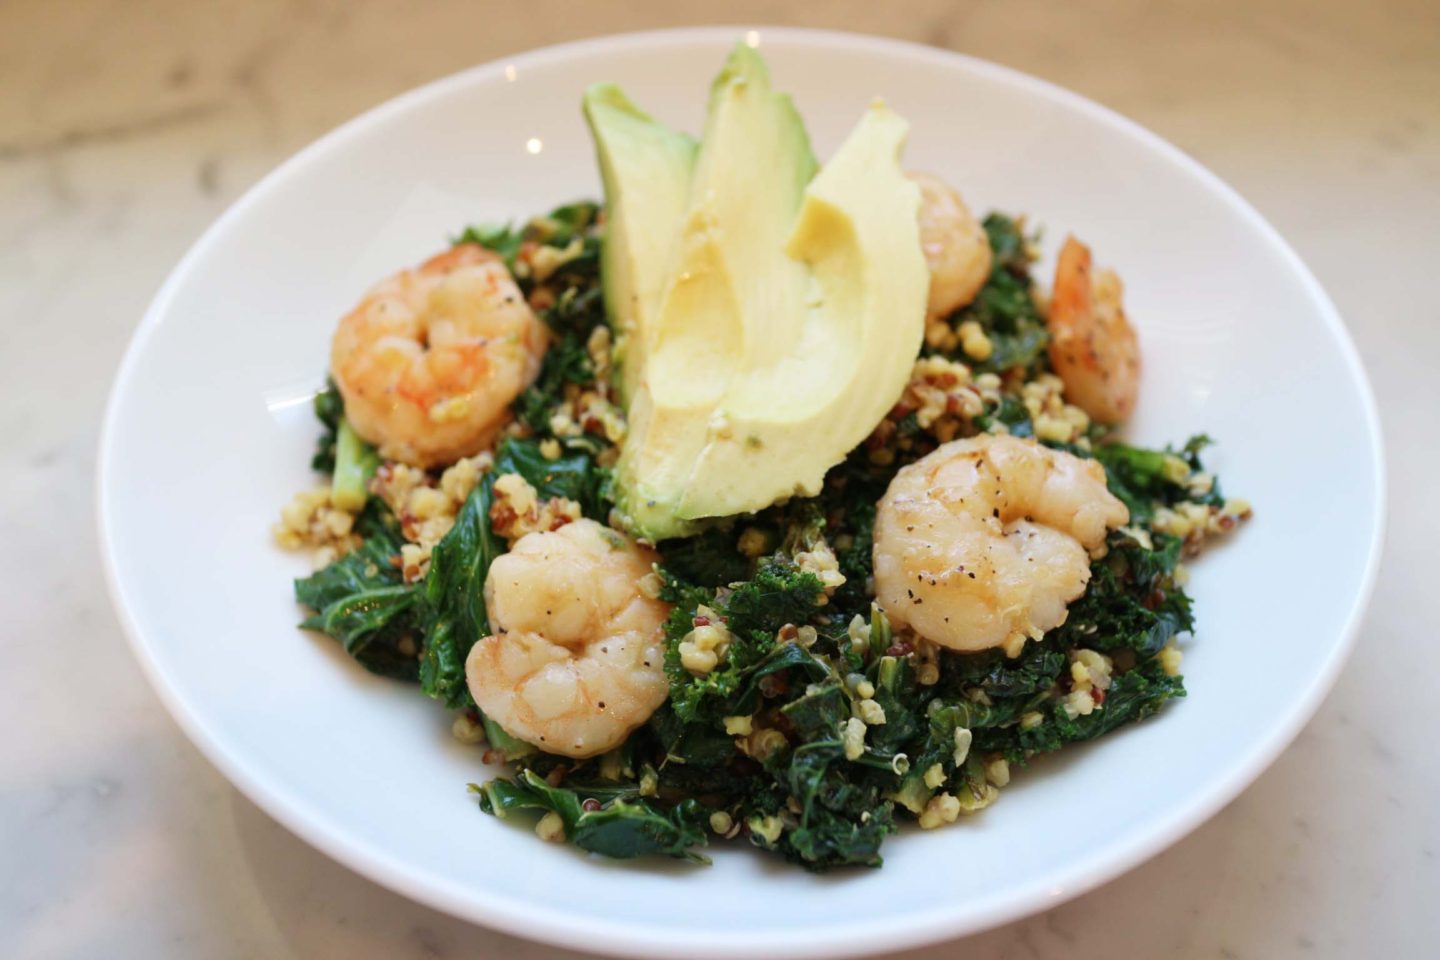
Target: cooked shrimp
x=578 y=659
x=431 y=359
x=957 y=251
x=985 y=541
x=1092 y=346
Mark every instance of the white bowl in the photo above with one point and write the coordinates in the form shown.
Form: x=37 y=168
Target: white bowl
x=209 y=432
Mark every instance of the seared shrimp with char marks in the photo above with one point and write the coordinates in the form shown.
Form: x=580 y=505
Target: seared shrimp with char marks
x=431 y=359
x=956 y=247
x=1093 y=348
x=984 y=542
x=577 y=661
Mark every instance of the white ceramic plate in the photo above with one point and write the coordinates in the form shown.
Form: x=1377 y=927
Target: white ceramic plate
x=209 y=432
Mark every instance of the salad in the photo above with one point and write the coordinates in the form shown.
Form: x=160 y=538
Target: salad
x=771 y=501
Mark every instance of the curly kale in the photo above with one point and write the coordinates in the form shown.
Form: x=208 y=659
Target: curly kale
x=1009 y=414
x=1132 y=602
x=753 y=612
x=558 y=229
x=843 y=815
x=1134 y=695
x=708 y=559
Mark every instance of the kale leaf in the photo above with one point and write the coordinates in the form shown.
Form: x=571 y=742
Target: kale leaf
x=780 y=593
x=842 y=820
x=329 y=408
x=1145 y=479
x=1133 y=695
x=1005 y=308
x=455 y=596
x=1132 y=601
x=573 y=475
x=567 y=360
x=557 y=229
x=696 y=745
x=362 y=601
x=708 y=559
x=1034 y=671
x=619 y=828
x=1009 y=413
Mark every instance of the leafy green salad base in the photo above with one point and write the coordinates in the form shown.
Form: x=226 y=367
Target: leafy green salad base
x=754 y=750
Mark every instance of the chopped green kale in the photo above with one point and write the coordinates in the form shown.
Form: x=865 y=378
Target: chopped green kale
x=329 y=409
x=362 y=601
x=708 y=559
x=1005 y=308
x=619 y=827
x=1146 y=479
x=573 y=475
x=455 y=597
x=753 y=612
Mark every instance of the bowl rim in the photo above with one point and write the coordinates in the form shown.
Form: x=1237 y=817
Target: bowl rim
x=525 y=919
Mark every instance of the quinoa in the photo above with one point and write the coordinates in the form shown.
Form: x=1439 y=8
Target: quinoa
x=702 y=649
x=425 y=505
x=942 y=809
x=312 y=521
x=1197 y=523
x=820 y=560
x=1054 y=419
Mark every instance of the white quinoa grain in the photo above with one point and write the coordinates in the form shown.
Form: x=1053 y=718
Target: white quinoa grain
x=1170 y=658
x=767 y=828
x=870 y=712
x=551 y=828
x=963 y=738
x=651 y=584
x=974 y=341
x=852 y=736
x=467 y=730
x=752 y=542
x=739 y=726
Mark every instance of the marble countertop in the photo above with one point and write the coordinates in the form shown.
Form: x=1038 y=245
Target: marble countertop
x=125 y=129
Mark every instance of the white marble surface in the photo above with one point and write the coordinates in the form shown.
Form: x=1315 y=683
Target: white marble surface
x=125 y=128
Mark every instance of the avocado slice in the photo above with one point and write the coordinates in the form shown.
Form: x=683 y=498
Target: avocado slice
x=646 y=169
x=790 y=317
x=750 y=175
x=852 y=341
